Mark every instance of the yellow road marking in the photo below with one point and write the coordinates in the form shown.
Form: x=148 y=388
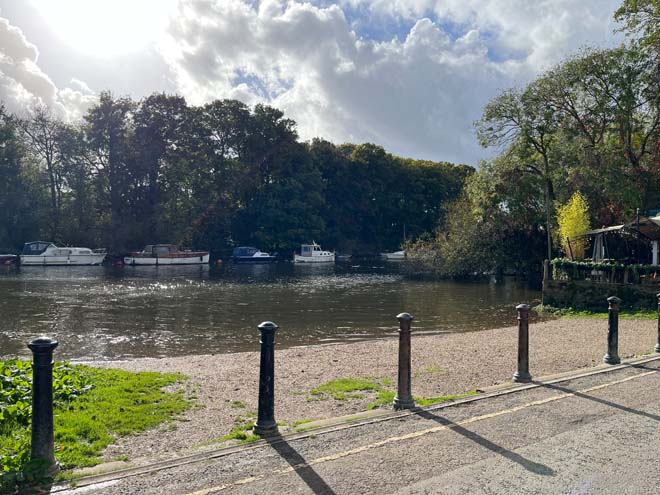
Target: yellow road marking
x=416 y=434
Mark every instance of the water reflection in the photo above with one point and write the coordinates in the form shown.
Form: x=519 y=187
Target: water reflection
x=111 y=312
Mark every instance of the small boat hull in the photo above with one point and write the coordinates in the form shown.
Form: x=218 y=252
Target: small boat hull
x=253 y=259
x=200 y=259
x=72 y=260
x=396 y=256
x=314 y=259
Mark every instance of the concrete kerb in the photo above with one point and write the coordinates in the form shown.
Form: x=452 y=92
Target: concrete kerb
x=329 y=425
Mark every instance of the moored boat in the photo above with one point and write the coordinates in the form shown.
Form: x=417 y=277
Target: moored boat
x=166 y=254
x=395 y=256
x=248 y=254
x=48 y=254
x=312 y=253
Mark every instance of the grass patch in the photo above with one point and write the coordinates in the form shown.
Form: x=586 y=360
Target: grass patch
x=242 y=432
x=92 y=407
x=301 y=422
x=429 y=401
x=585 y=313
x=344 y=388
x=384 y=398
x=237 y=404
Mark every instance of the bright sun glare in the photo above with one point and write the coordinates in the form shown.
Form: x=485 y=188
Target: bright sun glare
x=107 y=27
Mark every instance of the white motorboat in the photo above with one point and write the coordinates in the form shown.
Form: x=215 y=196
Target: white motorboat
x=396 y=255
x=166 y=254
x=248 y=254
x=312 y=253
x=47 y=253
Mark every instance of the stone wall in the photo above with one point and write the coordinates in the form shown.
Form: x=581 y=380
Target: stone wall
x=585 y=294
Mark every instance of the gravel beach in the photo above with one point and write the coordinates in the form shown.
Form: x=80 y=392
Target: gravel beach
x=226 y=385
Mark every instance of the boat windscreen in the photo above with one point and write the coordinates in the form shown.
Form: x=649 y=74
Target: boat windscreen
x=244 y=251
x=35 y=248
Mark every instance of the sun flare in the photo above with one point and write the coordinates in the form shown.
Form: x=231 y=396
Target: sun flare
x=107 y=27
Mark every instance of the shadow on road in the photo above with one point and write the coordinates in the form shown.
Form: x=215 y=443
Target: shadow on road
x=599 y=400
x=532 y=466
x=300 y=466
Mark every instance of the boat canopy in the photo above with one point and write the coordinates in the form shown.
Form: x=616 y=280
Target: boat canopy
x=244 y=251
x=36 y=248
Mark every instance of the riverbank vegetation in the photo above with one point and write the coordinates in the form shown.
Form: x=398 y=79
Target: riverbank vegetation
x=591 y=125
x=214 y=176
x=92 y=408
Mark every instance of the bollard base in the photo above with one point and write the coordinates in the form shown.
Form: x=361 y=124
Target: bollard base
x=522 y=377
x=609 y=359
x=657 y=347
x=266 y=429
x=403 y=403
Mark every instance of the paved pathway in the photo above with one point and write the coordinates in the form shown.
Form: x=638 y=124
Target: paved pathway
x=594 y=434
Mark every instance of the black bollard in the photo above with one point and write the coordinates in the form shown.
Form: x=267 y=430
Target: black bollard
x=522 y=375
x=657 y=346
x=612 y=356
x=404 y=399
x=266 y=424
x=43 y=439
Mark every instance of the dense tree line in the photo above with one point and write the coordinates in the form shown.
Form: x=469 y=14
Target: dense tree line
x=214 y=176
x=590 y=125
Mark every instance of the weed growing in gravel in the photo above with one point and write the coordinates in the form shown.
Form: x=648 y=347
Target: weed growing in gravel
x=429 y=401
x=344 y=388
x=243 y=429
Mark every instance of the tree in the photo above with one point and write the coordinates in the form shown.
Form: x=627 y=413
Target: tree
x=108 y=133
x=573 y=220
x=19 y=202
x=160 y=141
x=641 y=18
x=42 y=133
x=523 y=121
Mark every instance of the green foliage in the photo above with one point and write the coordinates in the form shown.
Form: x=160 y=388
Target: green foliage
x=351 y=388
x=599 y=315
x=429 y=401
x=92 y=407
x=242 y=432
x=344 y=388
x=214 y=176
x=573 y=220
x=641 y=18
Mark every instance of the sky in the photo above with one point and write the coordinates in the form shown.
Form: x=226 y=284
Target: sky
x=409 y=75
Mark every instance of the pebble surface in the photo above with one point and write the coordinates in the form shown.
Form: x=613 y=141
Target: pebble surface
x=441 y=365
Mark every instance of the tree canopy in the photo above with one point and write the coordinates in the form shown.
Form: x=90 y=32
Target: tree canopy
x=213 y=176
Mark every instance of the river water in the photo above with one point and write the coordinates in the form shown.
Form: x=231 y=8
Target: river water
x=117 y=313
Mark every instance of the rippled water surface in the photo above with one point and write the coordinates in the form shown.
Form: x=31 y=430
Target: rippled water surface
x=112 y=313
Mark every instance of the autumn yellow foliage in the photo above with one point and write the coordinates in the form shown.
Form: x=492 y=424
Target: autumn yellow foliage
x=573 y=220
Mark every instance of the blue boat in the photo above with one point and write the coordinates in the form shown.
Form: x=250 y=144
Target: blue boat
x=248 y=254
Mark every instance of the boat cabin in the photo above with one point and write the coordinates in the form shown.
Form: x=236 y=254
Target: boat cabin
x=160 y=249
x=310 y=249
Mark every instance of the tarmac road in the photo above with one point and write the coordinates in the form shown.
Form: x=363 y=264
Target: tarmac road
x=593 y=434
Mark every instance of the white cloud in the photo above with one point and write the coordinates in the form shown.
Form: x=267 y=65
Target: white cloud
x=417 y=96
x=23 y=83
